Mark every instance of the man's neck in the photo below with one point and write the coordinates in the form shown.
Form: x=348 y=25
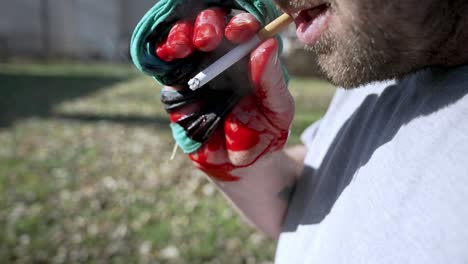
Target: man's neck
x=453 y=51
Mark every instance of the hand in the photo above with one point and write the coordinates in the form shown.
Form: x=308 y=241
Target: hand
x=259 y=124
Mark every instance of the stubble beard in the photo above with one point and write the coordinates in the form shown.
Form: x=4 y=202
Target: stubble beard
x=352 y=60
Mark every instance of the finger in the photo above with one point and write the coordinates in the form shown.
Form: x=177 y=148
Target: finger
x=178 y=44
x=269 y=84
x=163 y=52
x=179 y=40
x=247 y=133
x=241 y=28
x=209 y=29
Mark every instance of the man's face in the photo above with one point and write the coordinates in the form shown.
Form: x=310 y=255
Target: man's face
x=360 y=41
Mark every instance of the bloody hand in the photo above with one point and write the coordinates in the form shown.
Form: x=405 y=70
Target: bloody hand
x=259 y=124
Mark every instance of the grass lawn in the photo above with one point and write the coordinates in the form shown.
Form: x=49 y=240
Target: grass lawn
x=85 y=176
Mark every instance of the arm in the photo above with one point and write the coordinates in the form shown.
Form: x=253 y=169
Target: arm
x=244 y=157
x=262 y=197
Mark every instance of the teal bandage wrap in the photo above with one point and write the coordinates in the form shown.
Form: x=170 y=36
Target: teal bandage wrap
x=187 y=144
x=192 y=131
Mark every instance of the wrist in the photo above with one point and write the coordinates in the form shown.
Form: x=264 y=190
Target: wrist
x=263 y=191
x=276 y=162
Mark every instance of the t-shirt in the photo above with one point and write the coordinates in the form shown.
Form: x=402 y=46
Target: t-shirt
x=386 y=176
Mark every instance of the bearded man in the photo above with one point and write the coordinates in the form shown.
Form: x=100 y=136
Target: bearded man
x=383 y=176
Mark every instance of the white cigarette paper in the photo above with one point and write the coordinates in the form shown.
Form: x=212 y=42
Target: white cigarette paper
x=238 y=52
x=223 y=63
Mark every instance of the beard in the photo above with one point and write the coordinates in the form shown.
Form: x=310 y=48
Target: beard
x=368 y=46
x=352 y=61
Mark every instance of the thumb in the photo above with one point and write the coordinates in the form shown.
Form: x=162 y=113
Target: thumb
x=270 y=86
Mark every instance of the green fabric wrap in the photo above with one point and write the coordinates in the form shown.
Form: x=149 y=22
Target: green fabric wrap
x=187 y=144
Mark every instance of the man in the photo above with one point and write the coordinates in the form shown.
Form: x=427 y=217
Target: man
x=383 y=177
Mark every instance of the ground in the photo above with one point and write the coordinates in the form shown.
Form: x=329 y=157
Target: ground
x=85 y=174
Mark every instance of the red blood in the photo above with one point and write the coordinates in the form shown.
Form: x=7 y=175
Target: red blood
x=179 y=40
x=241 y=28
x=261 y=65
x=281 y=141
x=238 y=127
x=220 y=172
x=258 y=124
x=183 y=112
x=214 y=148
x=164 y=53
x=215 y=143
x=209 y=29
x=257 y=64
x=245 y=138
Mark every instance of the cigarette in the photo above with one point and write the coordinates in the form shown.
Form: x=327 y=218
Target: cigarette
x=239 y=52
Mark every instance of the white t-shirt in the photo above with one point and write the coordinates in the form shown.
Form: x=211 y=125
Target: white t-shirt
x=386 y=176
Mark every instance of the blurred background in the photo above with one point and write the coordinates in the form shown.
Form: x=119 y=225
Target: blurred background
x=85 y=174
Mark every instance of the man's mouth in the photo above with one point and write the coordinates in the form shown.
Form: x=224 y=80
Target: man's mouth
x=311 y=23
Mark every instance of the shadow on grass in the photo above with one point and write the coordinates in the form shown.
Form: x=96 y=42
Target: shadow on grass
x=130 y=120
x=24 y=95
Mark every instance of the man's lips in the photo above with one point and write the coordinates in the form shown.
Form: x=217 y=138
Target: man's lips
x=312 y=22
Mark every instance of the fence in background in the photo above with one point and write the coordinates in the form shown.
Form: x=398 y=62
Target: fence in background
x=93 y=30
x=83 y=29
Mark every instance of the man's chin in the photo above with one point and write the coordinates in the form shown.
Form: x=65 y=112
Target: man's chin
x=339 y=67
x=342 y=76
x=342 y=70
